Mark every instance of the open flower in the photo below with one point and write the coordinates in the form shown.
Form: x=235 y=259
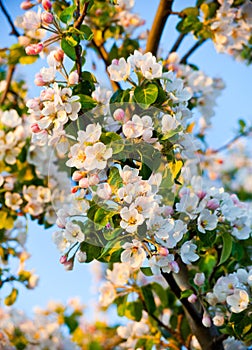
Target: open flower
x=119 y=69
x=134 y=254
x=131 y=219
x=187 y=252
x=238 y=301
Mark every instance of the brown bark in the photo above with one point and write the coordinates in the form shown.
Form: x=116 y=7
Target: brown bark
x=163 y=12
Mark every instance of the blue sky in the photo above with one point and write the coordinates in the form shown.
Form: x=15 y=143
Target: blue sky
x=235 y=102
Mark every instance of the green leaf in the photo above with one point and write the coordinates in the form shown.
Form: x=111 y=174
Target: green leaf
x=207 y=263
x=134 y=310
x=148 y=298
x=87 y=32
x=190 y=11
x=66 y=15
x=146 y=95
x=87 y=102
x=186 y=293
x=146 y=271
x=68 y=49
x=121 y=303
x=161 y=293
x=92 y=251
x=72 y=40
x=71 y=322
x=227 y=247
x=28 y=59
x=11 y=298
x=112 y=234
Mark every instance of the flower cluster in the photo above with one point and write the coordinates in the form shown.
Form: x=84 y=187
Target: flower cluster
x=232 y=27
x=146 y=64
x=204 y=89
x=56 y=104
x=234 y=290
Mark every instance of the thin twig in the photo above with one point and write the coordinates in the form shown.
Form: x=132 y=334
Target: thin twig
x=77 y=24
x=9 y=76
x=191 y=51
x=81 y=17
x=14 y=30
x=104 y=56
x=163 y=12
x=230 y=142
x=177 y=43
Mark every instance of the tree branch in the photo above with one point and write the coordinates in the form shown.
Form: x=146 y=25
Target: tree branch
x=77 y=24
x=191 y=51
x=231 y=142
x=104 y=56
x=208 y=338
x=9 y=76
x=5 y=12
x=81 y=17
x=177 y=43
x=163 y=12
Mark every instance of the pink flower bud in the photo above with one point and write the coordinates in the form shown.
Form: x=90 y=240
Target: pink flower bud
x=174 y=266
x=213 y=204
x=94 y=180
x=47 y=5
x=98 y=12
x=68 y=265
x=199 y=279
x=39 y=80
x=81 y=256
x=206 y=320
x=47 y=17
x=84 y=183
x=163 y=251
x=108 y=226
x=115 y=62
x=119 y=114
x=77 y=175
x=168 y=210
x=26 y=5
x=201 y=194
x=73 y=78
x=63 y=259
x=75 y=189
x=192 y=298
x=34 y=49
x=35 y=128
x=59 y=55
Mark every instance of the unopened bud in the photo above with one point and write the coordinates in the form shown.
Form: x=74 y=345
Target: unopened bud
x=81 y=256
x=218 y=320
x=35 y=128
x=26 y=5
x=213 y=204
x=192 y=298
x=73 y=78
x=199 y=279
x=206 y=320
x=59 y=55
x=83 y=183
x=119 y=114
x=68 y=265
x=47 y=5
x=39 y=80
x=34 y=49
x=77 y=175
x=47 y=17
x=63 y=259
x=163 y=251
x=94 y=180
x=75 y=189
